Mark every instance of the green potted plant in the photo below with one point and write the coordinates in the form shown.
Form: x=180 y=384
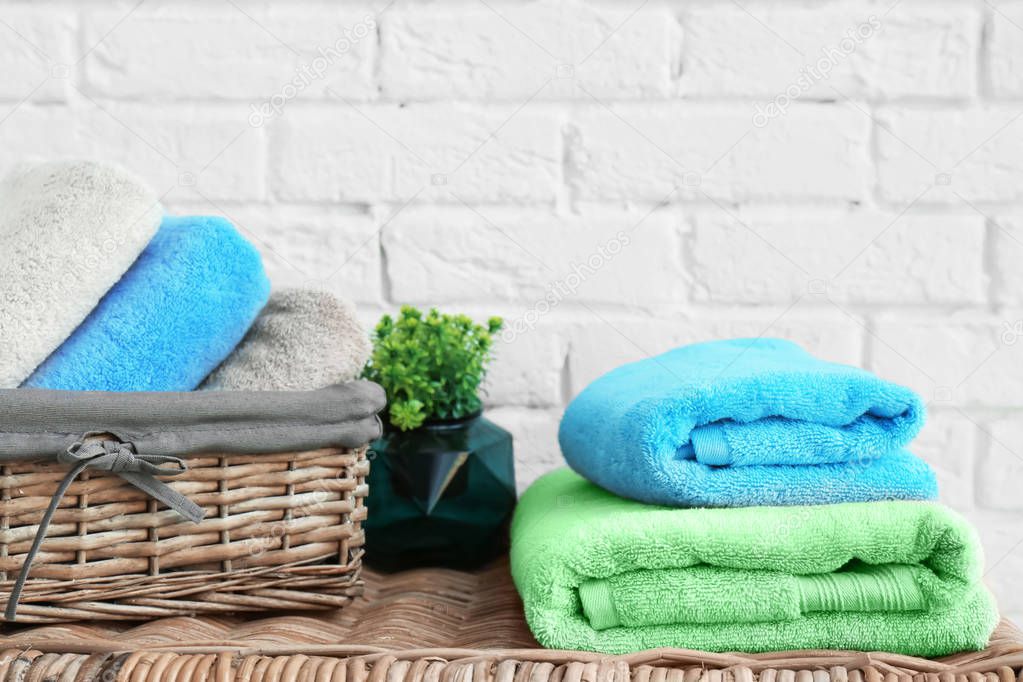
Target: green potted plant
x=442 y=480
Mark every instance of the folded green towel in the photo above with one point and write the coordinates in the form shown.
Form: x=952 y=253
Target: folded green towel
x=602 y=573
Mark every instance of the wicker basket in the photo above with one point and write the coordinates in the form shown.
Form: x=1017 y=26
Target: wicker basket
x=282 y=531
x=436 y=625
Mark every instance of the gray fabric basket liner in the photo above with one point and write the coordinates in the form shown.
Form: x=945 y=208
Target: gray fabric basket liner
x=39 y=423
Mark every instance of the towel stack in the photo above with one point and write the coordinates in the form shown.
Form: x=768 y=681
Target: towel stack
x=101 y=291
x=745 y=496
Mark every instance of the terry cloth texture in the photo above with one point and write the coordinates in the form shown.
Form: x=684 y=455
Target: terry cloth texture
x=301 y=340
x=68 y=231
x=40 y=423
x=602 y=573
x=173 y=317
x=746 y=422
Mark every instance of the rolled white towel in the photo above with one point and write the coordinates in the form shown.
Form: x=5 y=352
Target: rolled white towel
x=68 y=231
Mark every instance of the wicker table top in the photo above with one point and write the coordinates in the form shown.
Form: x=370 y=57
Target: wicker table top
x=433 y=626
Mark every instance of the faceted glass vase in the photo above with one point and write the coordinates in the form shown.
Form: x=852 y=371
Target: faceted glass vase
x=440 y=495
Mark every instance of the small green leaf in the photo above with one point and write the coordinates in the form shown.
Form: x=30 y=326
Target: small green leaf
x=407 y=414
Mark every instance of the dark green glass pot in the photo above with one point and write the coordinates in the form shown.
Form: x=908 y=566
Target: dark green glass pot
x=440 y=495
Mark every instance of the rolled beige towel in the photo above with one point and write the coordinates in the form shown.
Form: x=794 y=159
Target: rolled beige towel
x=302 y=340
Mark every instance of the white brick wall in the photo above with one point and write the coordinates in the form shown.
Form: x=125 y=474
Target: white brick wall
x=615 y=177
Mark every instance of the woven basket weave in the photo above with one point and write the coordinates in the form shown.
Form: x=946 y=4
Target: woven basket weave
x=282 y=531
x=436 y=625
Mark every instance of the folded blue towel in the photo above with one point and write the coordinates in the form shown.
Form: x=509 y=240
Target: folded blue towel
x=171 y=319
x=746 y=422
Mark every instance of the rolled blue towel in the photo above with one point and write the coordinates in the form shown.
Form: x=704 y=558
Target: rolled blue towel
x=171 y=319
x=746 y=422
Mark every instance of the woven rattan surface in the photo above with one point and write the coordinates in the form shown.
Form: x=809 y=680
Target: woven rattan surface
x=434 y=626
x=281 y=531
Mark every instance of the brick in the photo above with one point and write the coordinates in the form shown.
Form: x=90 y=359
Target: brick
x=598 y=345
x=314 y=247
x=859 y=256
x=1000 y=469
x=36 y=54
x=535 y=259
x=1002 y=538
x=39 y=132
x=1007 y=251
x=830 y=50
x=544 y=49
x=639 y=152
x=526 y=370
x=205 y=151
x=950 y=156
x=535 y=439
x=952 y=360
x=441 y=152
x=199 y=52
x=947 y=443
x=186 y=153
x=1005 y=50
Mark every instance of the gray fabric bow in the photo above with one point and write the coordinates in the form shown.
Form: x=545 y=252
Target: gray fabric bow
x=119 y=458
